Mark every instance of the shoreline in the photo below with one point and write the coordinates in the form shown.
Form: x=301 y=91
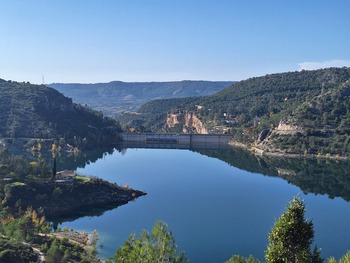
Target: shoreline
x=257 y=151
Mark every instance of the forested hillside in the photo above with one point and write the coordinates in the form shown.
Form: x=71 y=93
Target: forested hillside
x=36 y=111
x=250 y=106
x=116 y=97
x=322 y=125
x=261 y=97
x=310 y=100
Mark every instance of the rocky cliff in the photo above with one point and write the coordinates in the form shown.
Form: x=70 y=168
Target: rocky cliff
x=186 y=122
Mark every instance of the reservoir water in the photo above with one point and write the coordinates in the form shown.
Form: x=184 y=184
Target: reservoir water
x=219 y=202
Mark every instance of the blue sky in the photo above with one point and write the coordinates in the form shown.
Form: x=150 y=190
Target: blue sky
x=92 y=41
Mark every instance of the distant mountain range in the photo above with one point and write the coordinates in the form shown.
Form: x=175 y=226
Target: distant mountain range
x=117 y=97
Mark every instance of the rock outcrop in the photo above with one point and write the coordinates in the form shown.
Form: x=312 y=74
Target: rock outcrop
x=287 y=127
x=266 y=141
x=187 y=120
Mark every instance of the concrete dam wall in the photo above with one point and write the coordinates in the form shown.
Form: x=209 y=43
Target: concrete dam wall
x=177 y=138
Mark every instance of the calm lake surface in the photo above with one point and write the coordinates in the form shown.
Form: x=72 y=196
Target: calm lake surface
x=213 y=208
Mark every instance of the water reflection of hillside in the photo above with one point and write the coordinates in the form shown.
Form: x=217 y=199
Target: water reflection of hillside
x=328 y=177
x=66 y=160
x=80 y=160
x=88 y=211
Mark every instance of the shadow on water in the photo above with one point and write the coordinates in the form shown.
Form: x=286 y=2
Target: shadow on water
x=88 y=211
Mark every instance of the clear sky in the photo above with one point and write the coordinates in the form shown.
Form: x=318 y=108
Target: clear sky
x=90 y=41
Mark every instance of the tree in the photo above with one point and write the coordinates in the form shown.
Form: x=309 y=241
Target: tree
x=54 y=168
x=93 y=242
x=240 y=259
x=291 y=237
x=158 y=247
x=343 y=259
x=26 y=228
x=67 y=254
x=54 y=253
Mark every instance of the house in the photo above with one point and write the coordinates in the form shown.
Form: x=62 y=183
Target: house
x=65 y=176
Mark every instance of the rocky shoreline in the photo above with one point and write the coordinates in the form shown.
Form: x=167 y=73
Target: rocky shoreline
x=278 y=154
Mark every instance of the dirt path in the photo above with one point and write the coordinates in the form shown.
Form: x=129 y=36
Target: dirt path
x=41 y=257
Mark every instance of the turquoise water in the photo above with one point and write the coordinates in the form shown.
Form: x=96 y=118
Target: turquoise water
x=213 y=209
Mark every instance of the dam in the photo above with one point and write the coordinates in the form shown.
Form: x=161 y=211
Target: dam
x=178 y=139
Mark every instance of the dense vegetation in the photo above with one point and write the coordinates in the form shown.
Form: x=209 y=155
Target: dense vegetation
x=273 y=94
x=13 y=251
x=317 y=102
x=116 y=97
x=36 y=111
x=325 y=123
x=260 y=96
x=26 y=236
x=67 y=197
x=159 y=246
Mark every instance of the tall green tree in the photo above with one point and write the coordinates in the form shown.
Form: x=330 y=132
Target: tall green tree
x=54 y=253
x=158 y=247
x=291 y=237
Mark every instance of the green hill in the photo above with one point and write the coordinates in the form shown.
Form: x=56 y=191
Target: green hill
x=252 y=111
x=321 y=125
x=36 y=111
x=251 y=106
x=280 y=93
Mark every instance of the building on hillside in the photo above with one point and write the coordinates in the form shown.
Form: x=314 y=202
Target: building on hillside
x=65 y=176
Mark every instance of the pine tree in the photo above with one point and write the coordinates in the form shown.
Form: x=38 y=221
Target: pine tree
x=159 y=246
x=291 y=237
